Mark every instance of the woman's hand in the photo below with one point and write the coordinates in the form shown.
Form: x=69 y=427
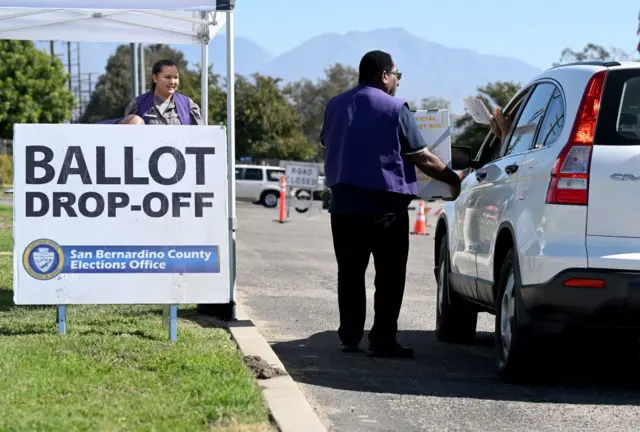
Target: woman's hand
x=500 y=125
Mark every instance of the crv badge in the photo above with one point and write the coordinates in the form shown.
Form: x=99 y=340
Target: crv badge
x=623 y=177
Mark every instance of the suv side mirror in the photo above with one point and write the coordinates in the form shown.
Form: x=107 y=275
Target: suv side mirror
x=461 y=158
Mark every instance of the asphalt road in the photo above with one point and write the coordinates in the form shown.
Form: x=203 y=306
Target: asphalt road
x=286 y=282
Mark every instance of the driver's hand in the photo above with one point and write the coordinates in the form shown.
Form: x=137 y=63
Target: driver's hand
x=500 y=125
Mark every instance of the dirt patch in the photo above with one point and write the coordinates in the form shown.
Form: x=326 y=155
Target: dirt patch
x=261 y=369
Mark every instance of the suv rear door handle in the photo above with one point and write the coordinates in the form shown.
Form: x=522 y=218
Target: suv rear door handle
x=510 y=169
x=480 y=175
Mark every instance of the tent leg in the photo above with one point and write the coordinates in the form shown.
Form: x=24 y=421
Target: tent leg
x=135 y=71
x=204 y=82
x=228 y=311
x=231 y=157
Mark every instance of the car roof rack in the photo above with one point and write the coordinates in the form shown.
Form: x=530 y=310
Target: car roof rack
x=603 y=63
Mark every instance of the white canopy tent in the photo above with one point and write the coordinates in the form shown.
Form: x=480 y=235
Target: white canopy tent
x=138 y=21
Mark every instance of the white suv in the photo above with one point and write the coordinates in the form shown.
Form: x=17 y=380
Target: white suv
x=544 y=234
x=258 y=184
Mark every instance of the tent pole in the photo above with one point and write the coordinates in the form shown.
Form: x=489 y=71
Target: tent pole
x=134 y=71
x=143 y=70
x=231 y=158
x=204 y=78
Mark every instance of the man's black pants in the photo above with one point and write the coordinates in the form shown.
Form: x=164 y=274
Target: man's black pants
x=355 y=239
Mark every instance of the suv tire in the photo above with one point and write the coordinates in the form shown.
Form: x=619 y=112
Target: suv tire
x=270 y=199
x=456 y=319
x=511 y=347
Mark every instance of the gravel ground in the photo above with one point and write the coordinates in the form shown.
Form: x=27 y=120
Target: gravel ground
x=287 y=285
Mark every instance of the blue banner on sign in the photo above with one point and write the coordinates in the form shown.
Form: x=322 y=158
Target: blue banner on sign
x=45 y=259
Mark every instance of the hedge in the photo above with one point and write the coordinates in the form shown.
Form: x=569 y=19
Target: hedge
x=6 y=170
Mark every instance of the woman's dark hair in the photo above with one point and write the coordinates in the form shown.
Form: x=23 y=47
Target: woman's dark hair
x=372 y=65
x=157 y=68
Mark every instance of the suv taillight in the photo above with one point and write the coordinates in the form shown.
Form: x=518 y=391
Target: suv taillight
x=569 y=183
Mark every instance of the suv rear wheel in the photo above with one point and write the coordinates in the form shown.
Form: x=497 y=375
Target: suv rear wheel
x=270 y=199
x=511 y=347
x=456 y=320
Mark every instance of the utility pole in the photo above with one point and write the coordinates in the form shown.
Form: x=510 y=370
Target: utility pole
x=52 y=49
x=80 y=99
x=69 y=64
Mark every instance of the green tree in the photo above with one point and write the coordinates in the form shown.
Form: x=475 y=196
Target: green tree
x=429 y=103
x=493 y=94
x=33 y=87
x=113 y=90
x=267 y=126
x=434 y=103
x=592 y=52
x=310 y=99
x=217 y=93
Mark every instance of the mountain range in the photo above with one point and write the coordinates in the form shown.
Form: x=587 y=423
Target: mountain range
x=429 y=69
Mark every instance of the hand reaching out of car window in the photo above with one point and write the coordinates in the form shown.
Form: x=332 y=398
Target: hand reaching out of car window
x=500 y=124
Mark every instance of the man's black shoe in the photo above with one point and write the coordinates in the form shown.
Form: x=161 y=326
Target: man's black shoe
x=394 y=350
x=349 y=348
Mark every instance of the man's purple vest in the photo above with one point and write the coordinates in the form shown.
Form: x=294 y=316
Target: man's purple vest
x=144 y=104
x=361 y=129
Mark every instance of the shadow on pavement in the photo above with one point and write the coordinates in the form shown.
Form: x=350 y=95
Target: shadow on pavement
x=463 y=371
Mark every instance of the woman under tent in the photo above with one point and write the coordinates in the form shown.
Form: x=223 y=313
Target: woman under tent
x=162 y=105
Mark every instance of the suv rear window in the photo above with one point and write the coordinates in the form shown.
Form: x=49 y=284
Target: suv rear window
x=627 y=123
x=274 y=175
x=619 y=118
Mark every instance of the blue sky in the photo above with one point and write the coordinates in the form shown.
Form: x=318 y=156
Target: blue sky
x=535 y=32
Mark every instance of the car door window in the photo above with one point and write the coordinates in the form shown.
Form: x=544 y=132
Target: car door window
x=553 y=121
x=274 y=175
x=491 y=149
x=254 y=174
x=522 y=135
x=239 y=172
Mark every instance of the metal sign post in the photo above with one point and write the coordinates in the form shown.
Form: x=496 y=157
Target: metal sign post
x=302 y=176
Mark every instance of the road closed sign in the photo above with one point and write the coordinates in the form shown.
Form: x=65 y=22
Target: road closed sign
x=302 y=176
x=106 y=214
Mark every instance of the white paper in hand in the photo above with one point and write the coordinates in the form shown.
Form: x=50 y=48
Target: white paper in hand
x=477 y=109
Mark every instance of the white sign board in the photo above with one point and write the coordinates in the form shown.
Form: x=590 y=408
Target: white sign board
x=303 y=176
x=435 y=127
x=108 y=214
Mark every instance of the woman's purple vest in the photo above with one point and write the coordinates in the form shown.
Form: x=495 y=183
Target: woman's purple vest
x=361 y=129
x=144 y=104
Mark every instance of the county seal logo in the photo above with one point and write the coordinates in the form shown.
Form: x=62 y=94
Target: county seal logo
x=43 y=259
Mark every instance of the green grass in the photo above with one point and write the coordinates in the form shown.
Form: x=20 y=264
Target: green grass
x=6 y=228
x=115 y=370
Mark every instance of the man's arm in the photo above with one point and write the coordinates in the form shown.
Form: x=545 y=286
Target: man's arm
x=414 y=147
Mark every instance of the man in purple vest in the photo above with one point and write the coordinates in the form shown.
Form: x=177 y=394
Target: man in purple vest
x=372 y=146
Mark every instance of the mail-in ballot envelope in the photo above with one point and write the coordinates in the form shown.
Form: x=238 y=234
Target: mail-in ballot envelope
x=435 y=126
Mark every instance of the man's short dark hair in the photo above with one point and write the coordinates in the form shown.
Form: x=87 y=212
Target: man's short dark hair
x=373 y=64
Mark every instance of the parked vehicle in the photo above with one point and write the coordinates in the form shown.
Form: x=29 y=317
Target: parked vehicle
x=544 y=234
x=258 y=184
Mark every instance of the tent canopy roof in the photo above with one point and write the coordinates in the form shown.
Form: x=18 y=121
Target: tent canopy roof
x=184 y=5
x=120 y=21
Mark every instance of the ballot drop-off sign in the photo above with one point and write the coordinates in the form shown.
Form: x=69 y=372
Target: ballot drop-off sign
x=435 y=127
x=108 y=214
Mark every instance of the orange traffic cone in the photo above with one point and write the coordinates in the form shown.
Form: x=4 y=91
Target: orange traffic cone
x=420 y=226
